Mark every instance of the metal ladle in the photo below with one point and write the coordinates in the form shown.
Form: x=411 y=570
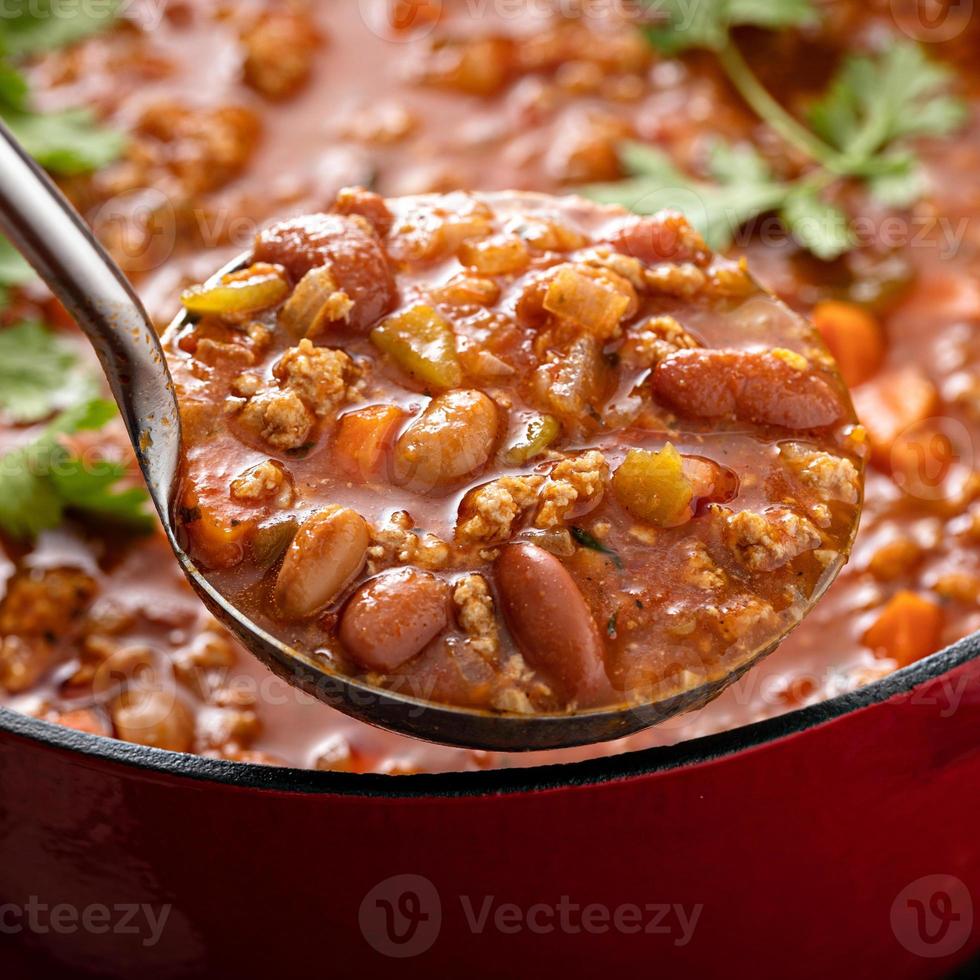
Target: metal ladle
x=59 y=245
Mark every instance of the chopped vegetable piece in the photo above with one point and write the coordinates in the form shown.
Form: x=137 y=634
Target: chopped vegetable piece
x=588 y=300
x=574 y=384
x=315 y=304
x=907 y=629
x=854 y=337
x=259 y=287
x=495 y=256
x=218 y=538
x=890 y=404
x=653 y=486
x=363 y=437
x=538 y=433
x=422 y=343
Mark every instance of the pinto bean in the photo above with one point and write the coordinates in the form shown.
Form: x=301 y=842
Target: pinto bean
x=453 y=438
x=394 y=616
x=153 y=716
x=765 y=387
x=550 y=621
x=328 y=551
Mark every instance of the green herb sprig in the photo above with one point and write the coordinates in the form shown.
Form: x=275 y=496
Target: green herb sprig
x=43 y=480
x=858 y=131
x=69 y=141
x=41 y=376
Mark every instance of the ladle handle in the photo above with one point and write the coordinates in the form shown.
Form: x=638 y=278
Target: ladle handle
x=54 y=238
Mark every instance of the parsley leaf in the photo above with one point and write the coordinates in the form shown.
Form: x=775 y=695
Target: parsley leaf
x=15 y=270
x=859 y=129
x=39 y=482
x=744 y=187
x=68 y=142
x=31 y=26
x=876 y=101
x=684 y=24
x=39 y=373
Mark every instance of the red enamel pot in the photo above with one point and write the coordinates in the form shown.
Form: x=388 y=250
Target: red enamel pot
x=840 y=839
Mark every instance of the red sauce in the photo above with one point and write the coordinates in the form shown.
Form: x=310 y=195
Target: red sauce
x=489 y=102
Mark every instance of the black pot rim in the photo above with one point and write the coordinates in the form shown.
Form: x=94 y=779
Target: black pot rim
x=495 y=782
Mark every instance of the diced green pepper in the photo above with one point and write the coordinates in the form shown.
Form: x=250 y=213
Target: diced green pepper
x=540 y=431
x=653 y=486
x=250 y=290
x=422 y=343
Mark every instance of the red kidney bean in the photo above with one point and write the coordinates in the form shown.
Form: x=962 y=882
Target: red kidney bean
x=394 y=616
x=348 y=244
x=755 y=386
x=550 y=620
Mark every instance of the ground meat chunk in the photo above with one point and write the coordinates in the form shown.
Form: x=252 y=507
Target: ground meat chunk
x=493 y=509
x=204 y=148
x=741 y=619
x=835 y=477
x=279 y=418
x=39 y=609
x=576 y=484
x=490 y=513
x=324 y=378
x=684 y=280
x=398 y=543
x=701 y=570
x=265 y=481
x=279 y=50
x=763 y=542
x=474 y=610
x=45 y=603
x=655 y=339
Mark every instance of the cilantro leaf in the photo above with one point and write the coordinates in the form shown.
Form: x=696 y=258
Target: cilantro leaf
x=898 y=180
x=41 y=481
x=39 y=373
x=31 y=26
x=877 y=100
x=684 y=24
x=86 y=416
x=90 y=488
x=68 y=142
x=29 y=503
x=744 y=187
x=13 y=87
x=816 y=224
x=15 y=270
x=857 y=133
